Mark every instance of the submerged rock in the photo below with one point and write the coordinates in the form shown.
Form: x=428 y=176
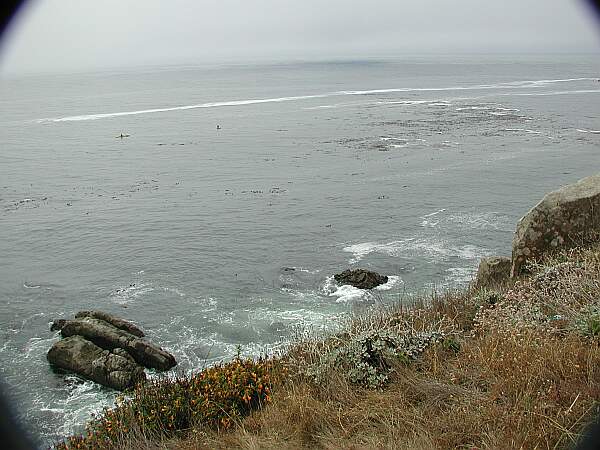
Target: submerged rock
x=361 y=278
x=117 y=322
x=564 y=218
x=83 y=357
x=109 y=337
x=493 y=271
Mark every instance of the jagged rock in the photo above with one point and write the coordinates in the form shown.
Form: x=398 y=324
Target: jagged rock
x=493 y=271
x=117 y=322
x=109 y=337
x=361 y=278
x=83 y=357
x=564 y=218
x=57 y=324
x=124 y=354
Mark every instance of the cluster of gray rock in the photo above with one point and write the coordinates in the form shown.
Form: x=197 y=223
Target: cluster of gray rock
x=106 y=349
x=565 y=218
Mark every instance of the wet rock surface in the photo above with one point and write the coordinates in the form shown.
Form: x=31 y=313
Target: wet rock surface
x=112 y=369
x=115 y=321
x=361 y=278
x=109 y=337
x=106 y=349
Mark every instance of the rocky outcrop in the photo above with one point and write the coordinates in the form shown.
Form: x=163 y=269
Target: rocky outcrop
x=113 y=369
x=361 y=278
x=106 y=349
x=493 y=271
x=58 y=324
x=564 y=218
x=115 y=321
x=109 y=337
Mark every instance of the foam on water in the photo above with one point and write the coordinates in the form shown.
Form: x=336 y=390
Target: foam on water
x=508 y=85
x=188 y=300
x=524 y=130
x=588 y=131
x=467 y=220
x=428 y=222
x=393 y=280
x=84 y=399
x=131 y=293
x=347 y=294
x=424 y=247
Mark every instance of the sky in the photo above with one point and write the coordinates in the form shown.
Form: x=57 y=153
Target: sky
x=84 y=35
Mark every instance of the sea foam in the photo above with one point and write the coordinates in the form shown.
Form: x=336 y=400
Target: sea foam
x=508 y=85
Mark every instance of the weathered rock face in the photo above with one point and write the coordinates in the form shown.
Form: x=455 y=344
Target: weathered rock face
x=113 y=320
x=57 y=324
x=564 y=218
x=361 y=278
x=109 y=337
x=493 y=271
x=83 y=357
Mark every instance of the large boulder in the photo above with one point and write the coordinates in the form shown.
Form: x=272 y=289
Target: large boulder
x=493 y=271
x=109 y=337
x=117 y=322
x=360 y=278
x=564 y=218
x=112 y=369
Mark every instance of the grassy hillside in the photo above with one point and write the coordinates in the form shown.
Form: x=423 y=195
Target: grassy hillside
x=515 y=366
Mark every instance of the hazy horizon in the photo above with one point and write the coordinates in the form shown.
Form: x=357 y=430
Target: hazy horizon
x=51 y=36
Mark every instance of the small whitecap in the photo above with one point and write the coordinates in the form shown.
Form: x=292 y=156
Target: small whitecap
x=392 y=281
x=347 y=293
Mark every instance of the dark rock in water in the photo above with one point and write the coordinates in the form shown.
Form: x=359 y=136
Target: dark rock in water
x=360 y=278
x=58 y=324
x=564 y=218
x=493 y=271
x=81 y=356
x=106 y=349
x=117 y=322
x=108 y=337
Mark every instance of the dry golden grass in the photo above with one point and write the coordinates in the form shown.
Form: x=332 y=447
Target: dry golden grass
x=532 y=383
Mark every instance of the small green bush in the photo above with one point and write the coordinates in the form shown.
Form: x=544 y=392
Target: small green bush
x=368 y=358
x=215 y=397
x=451 y=344
x=594 y=325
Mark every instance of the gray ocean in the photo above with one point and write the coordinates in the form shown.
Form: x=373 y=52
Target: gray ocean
x=213 y=239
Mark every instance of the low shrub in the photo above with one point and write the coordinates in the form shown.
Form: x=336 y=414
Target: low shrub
x=369 y=357
x=216 y=397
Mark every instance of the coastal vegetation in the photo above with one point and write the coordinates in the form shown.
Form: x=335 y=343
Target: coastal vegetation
x=516 y=365
x=513 y=361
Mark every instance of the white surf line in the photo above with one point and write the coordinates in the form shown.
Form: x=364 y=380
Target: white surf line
x=509 y=85
x=540 y=94
x=523 y=129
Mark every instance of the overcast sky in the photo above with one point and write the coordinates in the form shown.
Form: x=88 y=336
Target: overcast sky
x=66 y=35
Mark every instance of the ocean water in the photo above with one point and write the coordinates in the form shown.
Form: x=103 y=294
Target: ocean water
x=213 y=239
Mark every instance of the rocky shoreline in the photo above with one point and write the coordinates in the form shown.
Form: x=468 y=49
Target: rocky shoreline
x=106 y=349
x=566 y=218
x=114 y=352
